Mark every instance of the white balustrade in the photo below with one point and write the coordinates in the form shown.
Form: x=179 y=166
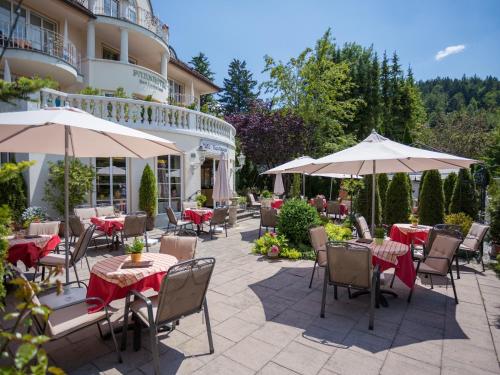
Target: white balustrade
x=142 y=114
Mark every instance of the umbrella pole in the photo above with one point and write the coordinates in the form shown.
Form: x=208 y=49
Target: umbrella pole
x=304 y=185
x=66 y=201
x=331 y=186
x=374 y=189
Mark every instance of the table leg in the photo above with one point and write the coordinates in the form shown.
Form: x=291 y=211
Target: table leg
x=383 y=300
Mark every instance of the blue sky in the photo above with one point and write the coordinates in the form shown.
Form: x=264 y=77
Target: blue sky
x=416 y=29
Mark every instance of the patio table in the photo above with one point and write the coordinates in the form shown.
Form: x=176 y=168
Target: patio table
x=30 y=250
x=110 y=282
x=109 y=225
x=392 y=254
x=407 y=234
x=198 y=216
x=277 y=203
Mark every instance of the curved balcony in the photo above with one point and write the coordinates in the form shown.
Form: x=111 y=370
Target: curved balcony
x=145 y=115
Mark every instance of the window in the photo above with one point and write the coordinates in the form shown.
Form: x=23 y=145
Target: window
x=42 y=33
x=111 y=8
x=109 y=53
x=176 y=91
x=111 y=182
x=132 y=11
x=169 y=182
x=7 y=157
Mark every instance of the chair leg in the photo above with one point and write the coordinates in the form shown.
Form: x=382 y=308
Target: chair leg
x=432 y=284
x=225 y=228
x=414 y=281
x=146 y=239
x=393 y=278
x=114 y=338
x=323 y=298
x=125 y=323
x=209 y=327
x=211 y=232
x=458 y=267
x=76 y=274
x=43 y=273
x=88 y=264
x=312 y=275
x=154 y=349
x=335 y=292
x=481 y=254
x=453 y=286
x=373 y=293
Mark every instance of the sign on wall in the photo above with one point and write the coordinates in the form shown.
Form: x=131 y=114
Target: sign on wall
x=213 y=147
x=150 y=80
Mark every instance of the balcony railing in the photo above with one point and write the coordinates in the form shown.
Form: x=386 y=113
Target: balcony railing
x=133 y=14
x=144 y=115
x=33 y=38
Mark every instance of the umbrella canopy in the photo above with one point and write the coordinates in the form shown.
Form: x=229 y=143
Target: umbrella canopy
x=222 y=188
x=6 y=72
x=295 y=163
x=336 y=175
x=377 y=154
x=278 y=185
x=70 y=131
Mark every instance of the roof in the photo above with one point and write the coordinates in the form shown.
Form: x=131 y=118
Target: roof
x=184 y=66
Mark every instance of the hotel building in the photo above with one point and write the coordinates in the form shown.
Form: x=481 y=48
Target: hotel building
x=106 y=45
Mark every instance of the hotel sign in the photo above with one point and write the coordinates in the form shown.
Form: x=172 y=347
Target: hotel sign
x=150 y=80
x=213 y=147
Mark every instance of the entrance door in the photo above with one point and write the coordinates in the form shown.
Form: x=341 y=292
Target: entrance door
x=207 y=179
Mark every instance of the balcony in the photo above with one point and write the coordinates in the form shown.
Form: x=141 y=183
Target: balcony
x=145 y=115
x=32 y=38
x=136 y=15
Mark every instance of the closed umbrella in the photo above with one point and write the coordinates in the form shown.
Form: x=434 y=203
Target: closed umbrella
x=295 y=163
x=70 y=131
x=278 y=185
x=222 y=188
x=377 y=154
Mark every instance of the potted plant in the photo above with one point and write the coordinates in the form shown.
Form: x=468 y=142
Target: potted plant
x=266 y=198
x=414 y=220
x=135 y=250
x=379 y=235
x=32 y=215
x=148 y=196
x=201 y=199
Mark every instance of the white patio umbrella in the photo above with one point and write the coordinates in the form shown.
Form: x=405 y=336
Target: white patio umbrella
x=222 y=188
x=295 y=163
x=278 y=185
x=377 y=154
x=334 y=175
x=70 y=131
x=6 y=72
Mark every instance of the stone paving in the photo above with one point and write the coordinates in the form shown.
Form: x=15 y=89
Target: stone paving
x=266 y=320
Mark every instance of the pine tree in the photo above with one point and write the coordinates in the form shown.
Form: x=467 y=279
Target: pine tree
x=383 y=184
x=410 y=191
x=449 y=185
x=364 y=202
x=385 y=96
x=464 y=197
x=201 y=64
x=431 y=205
x=397 y=207
x=398 y=101
x=422 y=177
x=238 y=91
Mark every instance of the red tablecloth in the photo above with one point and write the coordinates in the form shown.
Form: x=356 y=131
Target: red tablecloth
x=277 y=203
x=343 y=209
x=198 y=216
x=108 y=225
x=312 y=203
x=139 y=279
x=405 y=234
x=29 y=253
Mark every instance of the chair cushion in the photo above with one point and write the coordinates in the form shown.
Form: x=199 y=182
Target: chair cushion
x=105 y=211
x=466 y=248
x=85 y=213
x=183 y=248
x=69 y=319
x=322 y=258
x=184 y=222
x=141 y=309
x=443 y=246
x=424 y=268
x=53 y=260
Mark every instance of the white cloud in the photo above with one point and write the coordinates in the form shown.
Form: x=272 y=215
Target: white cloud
x=450 y=50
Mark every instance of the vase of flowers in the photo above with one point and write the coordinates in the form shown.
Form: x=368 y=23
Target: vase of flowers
x=32 y=215
x=379 y=235
x=135 y=250
x=201 y=200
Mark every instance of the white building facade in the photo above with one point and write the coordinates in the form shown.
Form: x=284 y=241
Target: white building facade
x=106 y=45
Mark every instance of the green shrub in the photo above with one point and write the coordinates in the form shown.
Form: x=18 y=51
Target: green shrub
x=266 y=194
x=201 y=199
x=81 y=182
x=462 y=219
x=383 y=184
x=410 y=191
x=397 y=205
x=13 y=194
x=448 y=186
x=494 y=210
x=422 y=178
x=464 y=197
x=379 y=232
x=295 y=218
x=296 y=185
x=90 y=91
x=364 y=201
x=431 y=205
x=338 y=232
x=148 y=192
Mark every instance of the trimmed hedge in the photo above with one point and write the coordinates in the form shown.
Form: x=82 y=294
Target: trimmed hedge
x=431 y=205
x=448 y=186
x=397 y=205
x=147 y=192
x=464 y=198
x=364 y=201
x=294 y=220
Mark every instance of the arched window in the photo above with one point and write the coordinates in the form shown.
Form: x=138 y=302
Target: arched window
x=132 y=11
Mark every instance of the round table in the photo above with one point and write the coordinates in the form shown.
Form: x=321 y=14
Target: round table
x=277 y=203
x=30 y=250
x=110 y=282
x=408 y=234
x=109 y=225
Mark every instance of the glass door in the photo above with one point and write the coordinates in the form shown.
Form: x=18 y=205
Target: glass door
x=111 y=183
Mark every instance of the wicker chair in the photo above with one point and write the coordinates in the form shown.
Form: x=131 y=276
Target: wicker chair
x=134 y=226
x=79 y=252
x=473 y=242
x=182 y=293
x=439 y=260
x=176 y=223
x=318 y=238
x=268 y=219
x=350 y=266
x=219 y=218
x=362 y=227
x=183 y=248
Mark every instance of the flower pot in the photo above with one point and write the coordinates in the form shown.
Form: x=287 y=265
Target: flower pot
x=136 y=257
x=414 y=223
x=273 y=255
x=379 y=241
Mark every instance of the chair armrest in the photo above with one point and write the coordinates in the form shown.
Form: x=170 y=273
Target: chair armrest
x=146 y=300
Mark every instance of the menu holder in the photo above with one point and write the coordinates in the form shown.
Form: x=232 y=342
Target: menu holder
x=141 y=264
x=30 y=237
x=111 y=217
x=364 y=240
